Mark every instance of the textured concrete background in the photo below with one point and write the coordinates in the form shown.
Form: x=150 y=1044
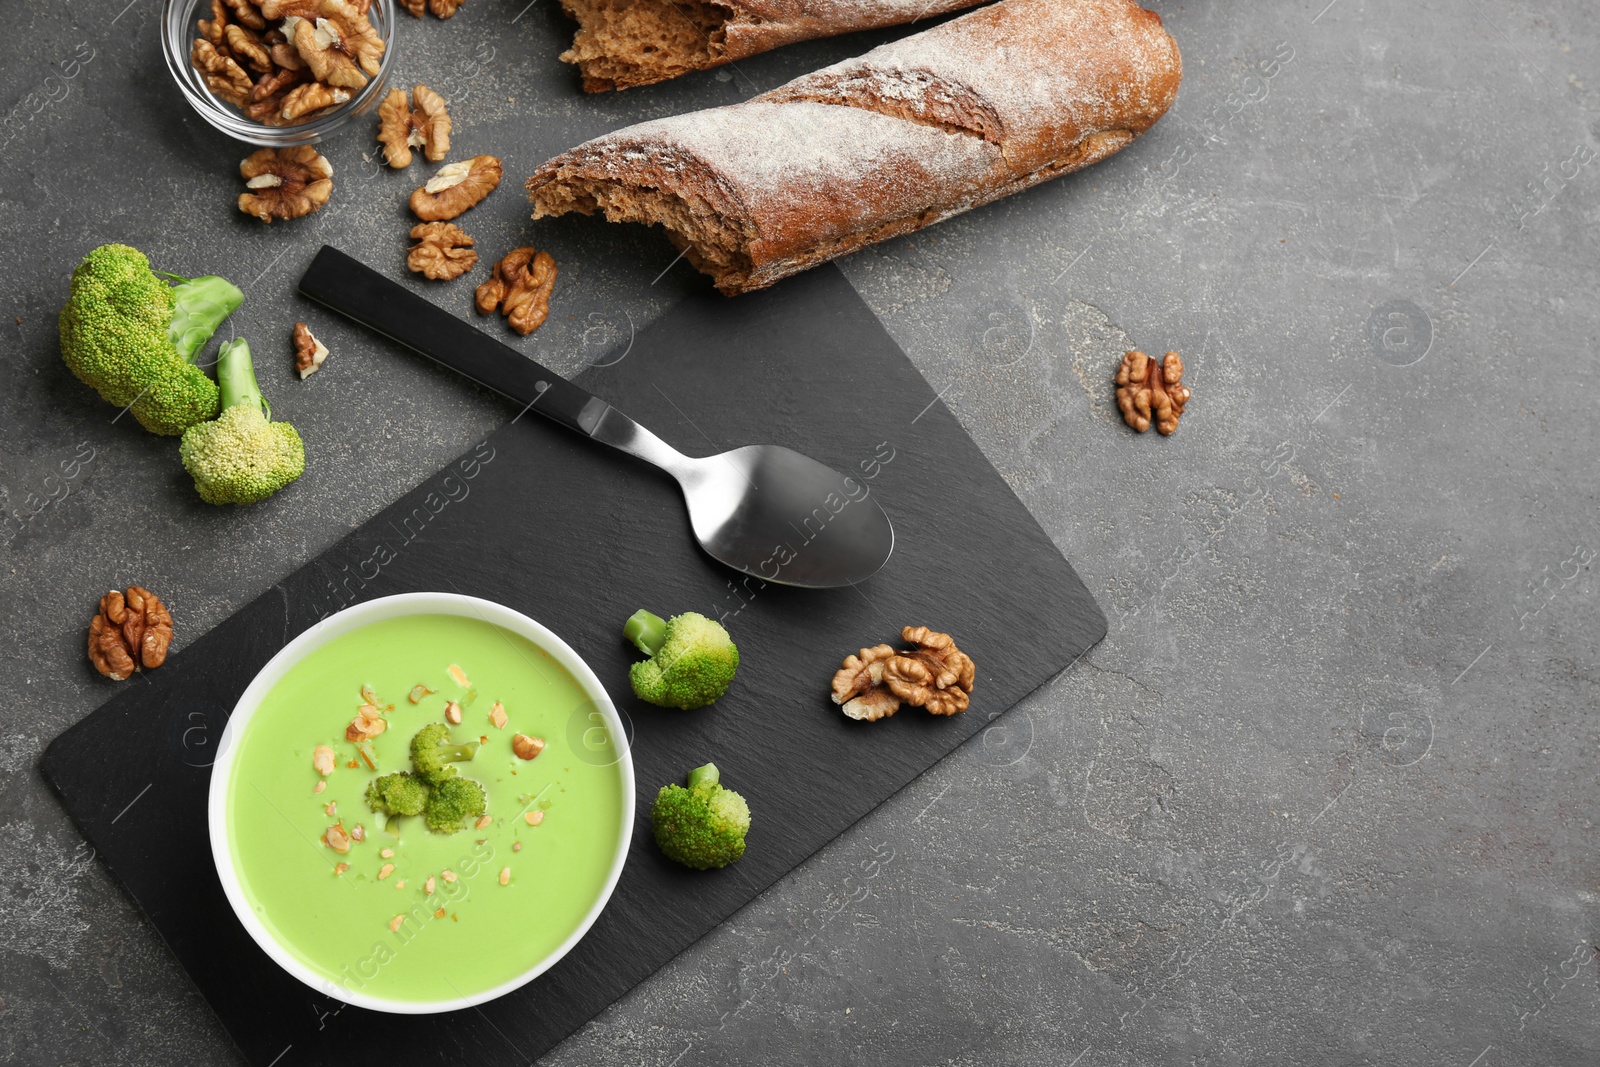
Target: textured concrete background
x=1320 y=797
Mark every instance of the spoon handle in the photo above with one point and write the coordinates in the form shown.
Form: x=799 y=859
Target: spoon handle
x=358 y=292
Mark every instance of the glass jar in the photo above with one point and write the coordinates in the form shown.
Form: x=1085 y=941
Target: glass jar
x=178 y=33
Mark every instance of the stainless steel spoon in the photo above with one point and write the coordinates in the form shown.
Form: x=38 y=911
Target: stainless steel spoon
x=764 y=510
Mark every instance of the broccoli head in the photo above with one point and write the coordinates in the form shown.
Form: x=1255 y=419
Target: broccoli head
x=433 y=753
x=133 y=337
x=453 y=803
x=241 y=457
x=692 y=659
x=702 y=826
x=399 y=793
x=446 y=802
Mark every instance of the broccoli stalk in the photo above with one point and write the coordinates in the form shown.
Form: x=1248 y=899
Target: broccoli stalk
x=198 y=308
x=236 y=377
x=242 y=457
x=133 y=338
x=692 y=659
x=647 y=630
x=703 y=826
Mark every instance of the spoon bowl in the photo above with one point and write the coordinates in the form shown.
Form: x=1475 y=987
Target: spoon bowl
x=772 y=512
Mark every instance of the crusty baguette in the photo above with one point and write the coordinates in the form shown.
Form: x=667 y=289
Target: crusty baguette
x=904 y=136
x=623 y=43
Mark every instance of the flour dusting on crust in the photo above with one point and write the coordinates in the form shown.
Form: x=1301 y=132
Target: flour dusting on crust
x=906 y=135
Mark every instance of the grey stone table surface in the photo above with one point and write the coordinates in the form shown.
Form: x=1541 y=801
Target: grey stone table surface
x=1325 y=793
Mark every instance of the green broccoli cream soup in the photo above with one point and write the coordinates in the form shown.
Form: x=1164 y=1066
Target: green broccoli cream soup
x=395 y=909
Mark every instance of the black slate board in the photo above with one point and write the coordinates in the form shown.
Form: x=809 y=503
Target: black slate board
x=578 y=537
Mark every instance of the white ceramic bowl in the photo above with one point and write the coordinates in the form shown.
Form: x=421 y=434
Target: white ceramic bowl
x=341 y=623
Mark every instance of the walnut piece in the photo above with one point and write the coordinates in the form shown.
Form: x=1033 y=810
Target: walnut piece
x=310 y=98
x=339 y=45
x=443 y=251
x=934 y=674
x=366 y=725
x=308 y=354
x=858 y=686
x=520 y=289
x=285 y=183
x=423 y=124
x=1148 y=391
x=414 y=7
x=337 y=838
x=130 y=631
x=224 y=77
x=455 y=188
x=322 y=760
x=527 y=747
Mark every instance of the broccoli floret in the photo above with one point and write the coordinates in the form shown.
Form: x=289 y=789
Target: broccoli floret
x=432 y=753
x=133 y=337
x=242 y=457
x=702 y=826
x=692 y=659
x=397 y=794
x=453 y=803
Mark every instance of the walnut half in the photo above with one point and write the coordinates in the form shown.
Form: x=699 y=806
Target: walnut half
x=131 y=630
x=934 y=674
x=441 y=8
x=520 y=289
x=245 y=45
x=308 y=99
x=423 y=123
x=337 y=42
x=224 y=77
x=1148 y=390
x=858 y=686
x=443 y=251
x=285 y=183
x=455 y=187
x=248 y=13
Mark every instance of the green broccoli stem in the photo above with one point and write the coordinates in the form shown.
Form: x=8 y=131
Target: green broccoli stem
x=647 y=630
x=458 y=753
x=201 y=305
x=707 y=775
x=236 y=376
